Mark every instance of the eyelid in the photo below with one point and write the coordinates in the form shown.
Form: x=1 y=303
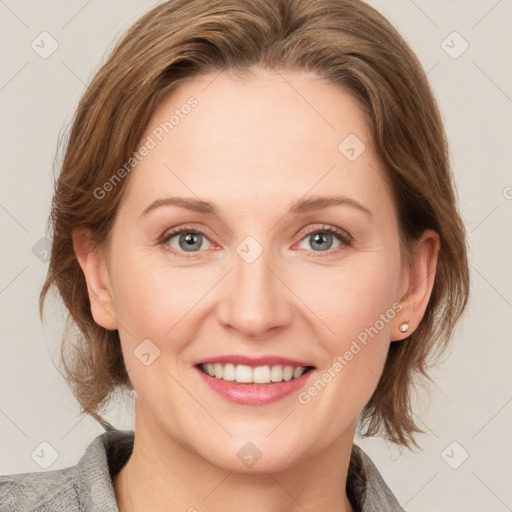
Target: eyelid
x=327 y=228
x=178 y=230
x=344 y=237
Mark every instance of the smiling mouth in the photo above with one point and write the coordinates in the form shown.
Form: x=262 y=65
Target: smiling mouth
x=244 y=374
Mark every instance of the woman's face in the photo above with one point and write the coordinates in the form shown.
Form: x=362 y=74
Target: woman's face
x=269 y=270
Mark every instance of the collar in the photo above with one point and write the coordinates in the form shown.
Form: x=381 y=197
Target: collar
x=107 y=454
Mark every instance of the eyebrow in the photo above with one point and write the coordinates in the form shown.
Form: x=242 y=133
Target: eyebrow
x=301 y=206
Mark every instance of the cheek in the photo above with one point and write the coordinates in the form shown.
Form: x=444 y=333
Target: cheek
x=352 y=298
x=149 y=299
x=153 y=303
x=161 y=302
x=358 y=306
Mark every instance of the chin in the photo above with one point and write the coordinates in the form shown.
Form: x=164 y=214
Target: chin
x=249 y=459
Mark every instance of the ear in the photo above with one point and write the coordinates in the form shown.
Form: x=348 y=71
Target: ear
x=92 y=260
x=416 y=284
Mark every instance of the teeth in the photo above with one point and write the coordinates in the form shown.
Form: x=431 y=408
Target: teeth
x=218 y=370
x=298 y=372
x=261 y=375
x=288 y=373
x=249 y=375
x=229 y=372
x=243 y=373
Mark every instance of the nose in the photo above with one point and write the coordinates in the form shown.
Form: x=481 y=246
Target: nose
x=256 y=300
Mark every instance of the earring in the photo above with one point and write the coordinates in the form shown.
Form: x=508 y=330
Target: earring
x=404 y=326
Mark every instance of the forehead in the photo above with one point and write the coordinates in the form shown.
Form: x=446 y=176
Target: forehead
x=265 y=106
x=256 y=136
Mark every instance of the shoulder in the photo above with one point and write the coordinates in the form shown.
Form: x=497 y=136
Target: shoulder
x=39 y=491
x=86 y=486
x=367 y=486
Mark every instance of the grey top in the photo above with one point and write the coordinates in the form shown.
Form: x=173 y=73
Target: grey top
x=88 y=487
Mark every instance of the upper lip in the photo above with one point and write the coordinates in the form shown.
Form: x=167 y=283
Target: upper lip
x=253 y=361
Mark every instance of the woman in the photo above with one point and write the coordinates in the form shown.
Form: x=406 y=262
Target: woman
x=255 y=230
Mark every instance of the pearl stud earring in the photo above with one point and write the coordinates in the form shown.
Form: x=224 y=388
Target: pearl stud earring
x=404 y=326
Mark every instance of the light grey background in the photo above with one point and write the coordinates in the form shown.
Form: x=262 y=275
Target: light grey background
x=471 y=404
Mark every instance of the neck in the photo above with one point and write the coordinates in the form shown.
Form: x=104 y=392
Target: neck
x=163 y=474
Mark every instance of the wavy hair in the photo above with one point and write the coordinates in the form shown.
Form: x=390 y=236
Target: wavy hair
x=346 y=42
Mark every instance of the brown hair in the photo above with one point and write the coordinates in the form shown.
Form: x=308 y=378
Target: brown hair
x=346 y=42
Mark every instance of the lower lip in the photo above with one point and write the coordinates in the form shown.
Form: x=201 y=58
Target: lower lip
x=254 y=394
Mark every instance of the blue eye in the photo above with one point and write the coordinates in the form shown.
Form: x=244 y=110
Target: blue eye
x=189 y=241
x=322 y=240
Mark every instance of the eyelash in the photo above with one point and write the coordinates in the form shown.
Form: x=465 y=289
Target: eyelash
x=343 y=237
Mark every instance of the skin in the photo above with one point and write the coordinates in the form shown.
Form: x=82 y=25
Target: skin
x=252 y=146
